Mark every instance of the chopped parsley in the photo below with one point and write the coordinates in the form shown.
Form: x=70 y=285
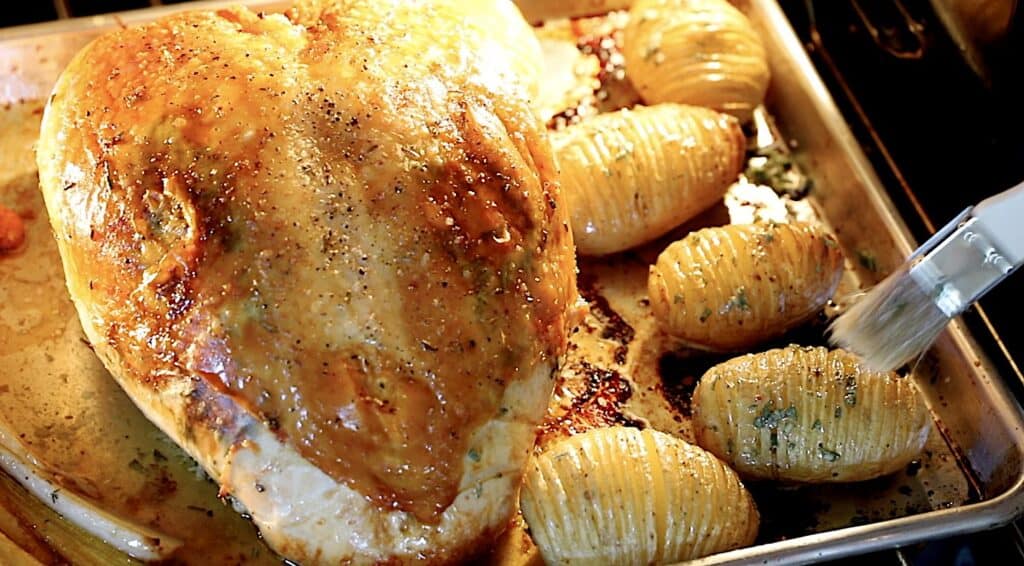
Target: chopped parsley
x=828 y=455
x=850 y=395
x=705 y=314
x=771 y=417
x=774 y=167
x=738 y=300
x=474 y=455
x=868 y=260
x=817 y=425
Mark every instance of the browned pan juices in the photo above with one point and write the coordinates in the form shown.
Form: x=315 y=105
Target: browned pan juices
x=621 y=368
x=59 y=404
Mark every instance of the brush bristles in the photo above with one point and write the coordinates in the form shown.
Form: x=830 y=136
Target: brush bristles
x=891 y=324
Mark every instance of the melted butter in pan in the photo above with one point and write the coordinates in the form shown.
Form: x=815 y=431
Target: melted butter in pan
x=59 y=405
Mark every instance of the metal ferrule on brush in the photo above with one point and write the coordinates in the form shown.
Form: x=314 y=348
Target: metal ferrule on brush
x=898 y=319
x=959 y=265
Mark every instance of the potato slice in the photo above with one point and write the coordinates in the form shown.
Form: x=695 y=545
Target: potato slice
x=702 y=52
x=620 y=495
x=632 y=175
x=730 y=287
x=809 y=415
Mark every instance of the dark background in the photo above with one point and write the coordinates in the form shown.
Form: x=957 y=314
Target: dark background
x=940 y=135
x=33 y=11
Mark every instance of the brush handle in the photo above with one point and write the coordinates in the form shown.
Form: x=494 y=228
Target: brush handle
x=1002 y=219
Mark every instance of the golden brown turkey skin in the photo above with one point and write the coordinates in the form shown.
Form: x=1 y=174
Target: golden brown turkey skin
x=343 y=225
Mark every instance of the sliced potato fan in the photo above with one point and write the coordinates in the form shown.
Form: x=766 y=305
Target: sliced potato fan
x=809 y=415
x=702 y=52
x=633 y=175
x=624 y=496
x=730 y=287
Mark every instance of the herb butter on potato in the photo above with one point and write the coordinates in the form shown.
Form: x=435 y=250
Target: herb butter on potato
x=620 y=495
x=631 y=176
x=808 y=414
x=731 y=287
x=702 y=52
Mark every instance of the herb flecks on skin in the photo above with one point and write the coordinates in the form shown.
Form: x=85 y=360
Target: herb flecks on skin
x=771 y=417
x=737 y=301
x=828 y=455
x=850 y=393
x=775 y=420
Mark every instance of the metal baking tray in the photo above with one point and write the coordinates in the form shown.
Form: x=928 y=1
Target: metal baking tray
x=975 y=414
x=59 y=408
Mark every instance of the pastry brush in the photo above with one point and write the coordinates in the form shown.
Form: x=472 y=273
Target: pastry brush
x=899 y=318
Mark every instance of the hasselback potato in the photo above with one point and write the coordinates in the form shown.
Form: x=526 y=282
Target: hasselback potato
x=809 y=414
x=632 y=175
x=730 y=287
x=620 y=495
x=702 y=52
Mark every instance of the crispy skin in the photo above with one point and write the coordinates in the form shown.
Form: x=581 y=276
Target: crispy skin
x=326 y=253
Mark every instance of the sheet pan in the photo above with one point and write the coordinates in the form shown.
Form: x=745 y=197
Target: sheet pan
x=76 y=421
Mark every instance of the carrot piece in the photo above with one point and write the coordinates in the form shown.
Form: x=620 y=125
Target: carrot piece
x=12 y=230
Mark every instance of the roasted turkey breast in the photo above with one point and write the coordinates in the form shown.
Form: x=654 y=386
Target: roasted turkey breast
x=326 y=253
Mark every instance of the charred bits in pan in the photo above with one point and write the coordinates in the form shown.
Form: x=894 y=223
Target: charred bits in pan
x=613 y=327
